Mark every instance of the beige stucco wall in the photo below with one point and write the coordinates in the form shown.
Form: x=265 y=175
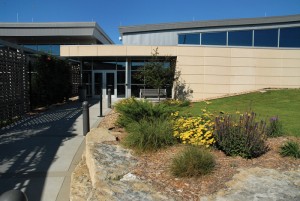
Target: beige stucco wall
x=216 y=71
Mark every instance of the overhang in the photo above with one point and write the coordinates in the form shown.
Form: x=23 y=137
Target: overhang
x=54 y=32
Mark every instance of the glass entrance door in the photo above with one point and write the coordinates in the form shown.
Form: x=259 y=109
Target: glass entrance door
x=98 y=82
x=110 y=83
x=102 y=81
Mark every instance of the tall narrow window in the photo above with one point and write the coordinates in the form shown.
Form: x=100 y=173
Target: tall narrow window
x=266 y=38
x=240 y=38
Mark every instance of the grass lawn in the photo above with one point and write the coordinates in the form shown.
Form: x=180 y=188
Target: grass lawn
x=284 y=103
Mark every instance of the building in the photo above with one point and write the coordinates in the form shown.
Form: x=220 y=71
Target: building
x=20 y=43
x=216 y=58
x=47 y=37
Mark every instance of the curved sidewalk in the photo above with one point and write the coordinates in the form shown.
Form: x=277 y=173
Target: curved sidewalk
x=39 y=152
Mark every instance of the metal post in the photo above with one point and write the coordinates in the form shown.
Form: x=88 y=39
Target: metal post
x=109 y=98
x=13 y=195
x=101 y=115
x=85 y=117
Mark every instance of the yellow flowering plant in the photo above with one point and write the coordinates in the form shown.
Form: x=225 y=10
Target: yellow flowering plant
x=194 y=130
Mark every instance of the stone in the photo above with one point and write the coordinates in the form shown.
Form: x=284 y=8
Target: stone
x=260 y=184
x=109 y=166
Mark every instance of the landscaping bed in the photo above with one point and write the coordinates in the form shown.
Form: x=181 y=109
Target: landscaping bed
x=155 y=166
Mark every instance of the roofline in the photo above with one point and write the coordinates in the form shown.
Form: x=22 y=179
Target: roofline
x=209 y=24
x=37 y=25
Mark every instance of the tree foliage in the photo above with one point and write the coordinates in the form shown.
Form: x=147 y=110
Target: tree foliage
x=155 y=74
x=51 y=80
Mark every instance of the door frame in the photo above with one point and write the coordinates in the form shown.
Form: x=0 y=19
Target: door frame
x=104 y=72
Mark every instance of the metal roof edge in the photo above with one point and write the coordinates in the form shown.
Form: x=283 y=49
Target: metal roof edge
x=103 y=33
x=209 y=23
x=58 y=25
x=46 y=24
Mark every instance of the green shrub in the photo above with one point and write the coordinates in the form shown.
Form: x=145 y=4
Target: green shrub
x=274 y=128
x=179 y=103
x=132 y=110
x=290 y=149
x=150 y=134
x=193 y=161
x=241 y=136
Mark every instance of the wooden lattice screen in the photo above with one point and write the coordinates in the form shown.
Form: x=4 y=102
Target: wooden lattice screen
x=14 y=97
x=75 y=79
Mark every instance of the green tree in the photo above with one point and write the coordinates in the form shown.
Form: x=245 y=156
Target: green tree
x=155 y=74
x=51 y=82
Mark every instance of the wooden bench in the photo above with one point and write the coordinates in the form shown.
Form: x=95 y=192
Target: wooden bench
x=152 y=93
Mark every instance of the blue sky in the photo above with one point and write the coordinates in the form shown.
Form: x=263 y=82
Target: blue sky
x=110 y=14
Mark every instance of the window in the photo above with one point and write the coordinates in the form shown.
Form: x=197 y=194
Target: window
x=55 y=50
x=33 y=47
x=121 y=65
x=120 y=77
x=290 y=37
x=240 y=38
x=104 y=65
x=191 y=39
x=135 y=65
x=266 y=38
x=45 y=48
x=217 y=38
x=121 y=91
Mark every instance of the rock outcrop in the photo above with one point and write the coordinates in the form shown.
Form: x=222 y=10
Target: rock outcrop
x=105 y=172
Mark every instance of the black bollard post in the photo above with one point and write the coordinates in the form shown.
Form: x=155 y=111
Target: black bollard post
x=13 y=195
x=85 y=117
x=101 y=115
x=109 y=98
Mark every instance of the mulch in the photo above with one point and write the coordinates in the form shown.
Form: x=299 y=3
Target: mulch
x=154 y=166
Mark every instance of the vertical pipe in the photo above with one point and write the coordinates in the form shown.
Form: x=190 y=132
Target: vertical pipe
x=85 y=117
x=101 y=115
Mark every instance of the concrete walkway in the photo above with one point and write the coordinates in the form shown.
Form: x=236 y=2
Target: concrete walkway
x=39 y=152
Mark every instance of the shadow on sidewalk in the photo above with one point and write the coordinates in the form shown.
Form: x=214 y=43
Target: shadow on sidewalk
x=29 y=147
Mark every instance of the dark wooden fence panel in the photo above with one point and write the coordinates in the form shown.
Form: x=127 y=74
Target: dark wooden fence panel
x=75 y=78
x=14 y=97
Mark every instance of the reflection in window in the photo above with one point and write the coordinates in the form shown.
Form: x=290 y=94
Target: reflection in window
x=240 y=38
x=104 y=65
x=87 y=77
x=32 y=47
x=121 y=91
x=135 y=90
x=290 y=37
x=87 y=65
x=121 y=65
x=135 y=65
x=192 y=39
x=44 y=48
x=121 y=77
x=266 y=38
x=135 y=79
x=55 y=49
x=216 y=38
